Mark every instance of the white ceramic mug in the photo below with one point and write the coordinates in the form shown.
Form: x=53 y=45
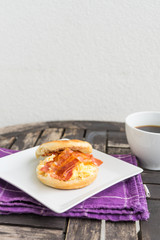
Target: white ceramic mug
x=145 y=145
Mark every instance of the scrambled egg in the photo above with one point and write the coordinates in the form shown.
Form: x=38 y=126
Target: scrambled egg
x=80 y=171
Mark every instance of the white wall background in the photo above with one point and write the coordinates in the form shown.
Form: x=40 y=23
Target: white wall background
x=78 y=59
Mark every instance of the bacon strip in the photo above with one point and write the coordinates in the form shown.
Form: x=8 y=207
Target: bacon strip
x=64 y=163
x=96 y=161
x=46 y=167
x=65 y=172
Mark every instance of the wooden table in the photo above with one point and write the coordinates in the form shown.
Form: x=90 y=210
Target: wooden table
x=107 y=137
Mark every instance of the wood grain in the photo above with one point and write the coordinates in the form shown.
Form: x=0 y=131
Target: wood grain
x=17 y=233
x=117 y=139
x=26 y=140
x=6 y=142
x=33 y=220
x=98 y=139
x=119 y=151
x=83 y=229
x=23 y=127
x=121 y=231
x=72 y=133
x=150 y=230
x=90 y=125
x=154 y=191
x=96 y=125
x=50 y=134
x=152 y=177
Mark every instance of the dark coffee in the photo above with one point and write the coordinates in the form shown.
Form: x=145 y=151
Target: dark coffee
x=150 y=128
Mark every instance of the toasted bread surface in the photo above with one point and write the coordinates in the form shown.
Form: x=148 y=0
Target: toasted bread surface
x=70 y=184
x=59 y=145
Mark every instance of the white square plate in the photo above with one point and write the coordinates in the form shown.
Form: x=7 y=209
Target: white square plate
x=19 y=169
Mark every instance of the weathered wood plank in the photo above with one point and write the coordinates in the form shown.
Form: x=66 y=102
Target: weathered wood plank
x=117 y=139
x=98 y=125
x=32 y=220
x=72 y=133
x=92 y=125
x=150 y=230
x=16 y=233
x=151 y=177
x=23 y=127
x=119 y=151
x=154 y=191
x=98 y=139
x=121 y=231
x=6 y=142
x=24 y=141
x=83 y=229
x=50 y=134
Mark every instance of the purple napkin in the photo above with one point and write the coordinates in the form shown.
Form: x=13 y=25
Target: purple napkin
x=125 y=201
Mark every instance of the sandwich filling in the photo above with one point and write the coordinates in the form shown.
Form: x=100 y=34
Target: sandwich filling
x=69 y=165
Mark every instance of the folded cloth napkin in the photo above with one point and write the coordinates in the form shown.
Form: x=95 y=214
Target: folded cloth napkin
x=125 y=201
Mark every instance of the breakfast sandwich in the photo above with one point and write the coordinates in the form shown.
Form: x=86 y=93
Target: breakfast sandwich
x=67 y=164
